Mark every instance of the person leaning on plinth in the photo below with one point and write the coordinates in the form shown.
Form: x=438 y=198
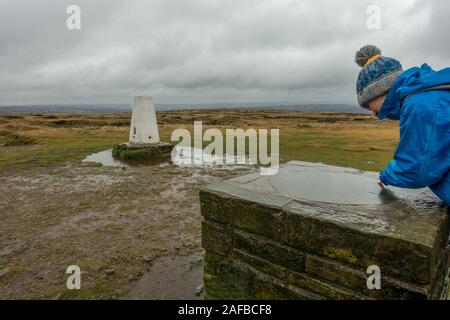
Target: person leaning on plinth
x=420 y=99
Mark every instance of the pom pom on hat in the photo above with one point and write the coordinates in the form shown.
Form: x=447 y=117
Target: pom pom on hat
x=363 y=55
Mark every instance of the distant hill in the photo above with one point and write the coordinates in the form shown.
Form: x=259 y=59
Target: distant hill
x=113 y=108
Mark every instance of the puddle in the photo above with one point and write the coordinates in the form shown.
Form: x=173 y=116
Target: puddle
x=183 y=157
x=105 y=158
x=170 y=278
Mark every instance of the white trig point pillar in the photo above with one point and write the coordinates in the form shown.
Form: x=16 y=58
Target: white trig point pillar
x=144 y=126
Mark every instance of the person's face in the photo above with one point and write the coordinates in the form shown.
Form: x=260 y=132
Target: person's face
x=376 y=104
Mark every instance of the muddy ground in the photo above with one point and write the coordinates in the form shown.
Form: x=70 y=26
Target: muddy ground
x=112 y=222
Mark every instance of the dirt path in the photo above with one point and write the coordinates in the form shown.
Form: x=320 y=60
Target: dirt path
x=112 y=222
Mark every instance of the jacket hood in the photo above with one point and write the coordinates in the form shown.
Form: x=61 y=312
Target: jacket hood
x=411 y=81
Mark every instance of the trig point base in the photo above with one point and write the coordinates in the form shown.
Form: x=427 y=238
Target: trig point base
x=313 y=230
x=129 y=151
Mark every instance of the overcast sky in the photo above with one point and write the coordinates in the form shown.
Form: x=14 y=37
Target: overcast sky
x=200 y=51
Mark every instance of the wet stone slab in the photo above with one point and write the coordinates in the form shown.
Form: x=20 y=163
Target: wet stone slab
x=317 y=228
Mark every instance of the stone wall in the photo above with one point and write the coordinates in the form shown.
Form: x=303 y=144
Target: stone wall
x=264 y=240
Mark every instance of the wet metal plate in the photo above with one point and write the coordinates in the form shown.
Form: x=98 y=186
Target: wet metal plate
x=331 y=186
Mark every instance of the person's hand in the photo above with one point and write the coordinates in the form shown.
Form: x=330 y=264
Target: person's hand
x=381 y=184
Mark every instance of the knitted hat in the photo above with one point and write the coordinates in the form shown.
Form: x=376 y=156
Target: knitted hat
x=377 y=76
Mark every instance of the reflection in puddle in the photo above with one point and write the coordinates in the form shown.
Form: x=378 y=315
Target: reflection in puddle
x=387 y=196
x=105 y=158
x=185 y=157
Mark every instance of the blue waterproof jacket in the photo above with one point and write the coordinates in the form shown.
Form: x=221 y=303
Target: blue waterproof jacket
x=422 y=158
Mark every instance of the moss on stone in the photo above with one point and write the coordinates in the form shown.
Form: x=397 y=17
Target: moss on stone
x=129 y=152
x=341 y=254
x=230 y=279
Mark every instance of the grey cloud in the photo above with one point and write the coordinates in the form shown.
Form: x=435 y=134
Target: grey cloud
x=206 y=50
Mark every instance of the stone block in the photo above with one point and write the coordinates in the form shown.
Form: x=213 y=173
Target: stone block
x=356 y=279
x=233 y=280
x=326 y=238
x=130 y=151
x=217 y=238
x=271 y=251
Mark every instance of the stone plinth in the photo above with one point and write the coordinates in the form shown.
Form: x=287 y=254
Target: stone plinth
x=311 y=232
x=130 y=151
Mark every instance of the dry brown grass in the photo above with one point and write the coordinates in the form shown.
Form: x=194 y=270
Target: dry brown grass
x=344 y=139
